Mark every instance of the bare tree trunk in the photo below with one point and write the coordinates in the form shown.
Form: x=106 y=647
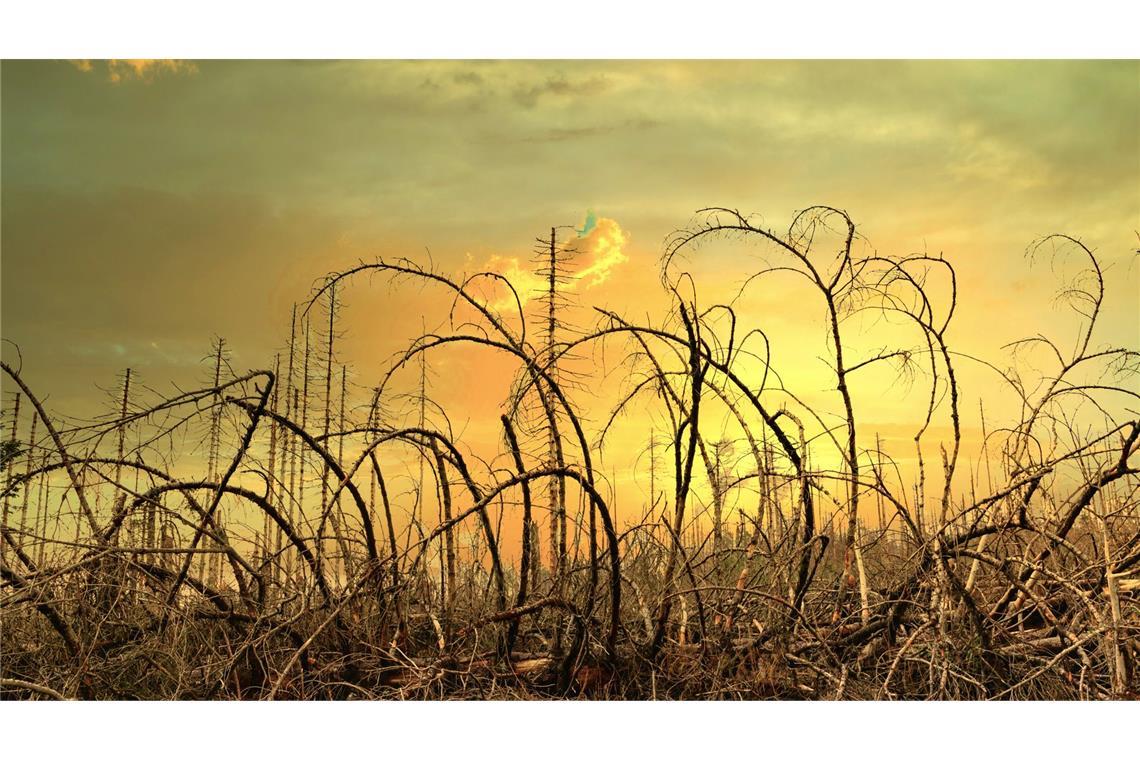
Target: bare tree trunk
x=1120 y=674
x=122 y=440
x=303 y=406
x=268 y=529
x=422 y=400
x=330 y=510
x=288 y=450
x=337 y=511
x=205 y=560
x=556 y=486
x=8 y=474
x=448 y=593
x=27 y=486
x=42 y=501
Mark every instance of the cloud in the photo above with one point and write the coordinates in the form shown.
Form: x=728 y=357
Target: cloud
x=560 y=134
x=467 y=77
x=139 y=352
x=519 y=274
x=559 y=86
x=597 y=249
x=602 y=250
x=141 y=69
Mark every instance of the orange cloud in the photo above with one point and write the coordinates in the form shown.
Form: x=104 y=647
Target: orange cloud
x=591 y=257
x=602 y=248
x=521 y=275
x=141 y=69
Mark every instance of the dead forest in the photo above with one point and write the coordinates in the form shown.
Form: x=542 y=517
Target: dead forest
x=248 y=539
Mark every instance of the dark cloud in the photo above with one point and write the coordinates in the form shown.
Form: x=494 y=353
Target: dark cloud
x=560 y=87
x=467 y=77
x=575 y=133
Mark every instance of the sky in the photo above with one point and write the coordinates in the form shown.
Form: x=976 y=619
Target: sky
x=148 y=206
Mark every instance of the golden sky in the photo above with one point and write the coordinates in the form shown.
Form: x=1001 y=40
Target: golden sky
x=147 y=206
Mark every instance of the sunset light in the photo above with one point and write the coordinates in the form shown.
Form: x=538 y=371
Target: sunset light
x=521 y=379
